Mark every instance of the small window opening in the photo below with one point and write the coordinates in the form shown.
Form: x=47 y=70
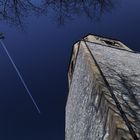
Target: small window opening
x=72 y=67
x=109 y=42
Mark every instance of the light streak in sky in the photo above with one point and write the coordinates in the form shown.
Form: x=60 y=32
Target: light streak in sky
x=20 y=76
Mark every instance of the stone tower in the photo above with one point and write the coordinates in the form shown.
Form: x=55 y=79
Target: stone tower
x=104 y=91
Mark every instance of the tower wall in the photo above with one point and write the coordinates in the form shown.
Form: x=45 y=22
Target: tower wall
x=103 y=101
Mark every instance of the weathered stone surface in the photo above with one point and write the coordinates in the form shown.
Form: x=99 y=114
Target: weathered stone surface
x=104 y=91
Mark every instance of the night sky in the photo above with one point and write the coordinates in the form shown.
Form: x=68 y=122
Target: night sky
x=41 y=46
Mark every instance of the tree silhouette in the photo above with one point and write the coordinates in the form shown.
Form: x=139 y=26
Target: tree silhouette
x=93 y=9
x=14 y=11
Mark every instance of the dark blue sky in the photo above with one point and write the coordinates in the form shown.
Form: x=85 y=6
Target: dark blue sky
x=42 y=52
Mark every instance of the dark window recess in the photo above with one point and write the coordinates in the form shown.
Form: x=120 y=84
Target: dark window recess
x=109 y=42
x=72 y=67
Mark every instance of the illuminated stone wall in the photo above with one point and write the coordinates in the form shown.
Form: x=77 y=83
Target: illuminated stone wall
x=104 y=91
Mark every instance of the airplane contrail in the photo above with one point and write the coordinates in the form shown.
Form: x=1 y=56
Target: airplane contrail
x=20 y=76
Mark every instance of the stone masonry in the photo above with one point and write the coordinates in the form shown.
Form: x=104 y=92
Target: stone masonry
x=104 y=91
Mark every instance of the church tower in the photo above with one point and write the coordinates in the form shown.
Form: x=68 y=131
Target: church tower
x=104 y=91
